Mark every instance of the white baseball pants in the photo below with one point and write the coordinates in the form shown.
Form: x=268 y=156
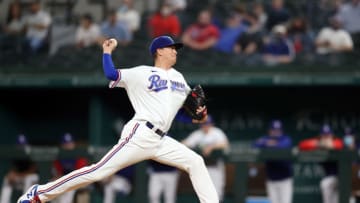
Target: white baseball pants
x=280 y=191
x=137 y=143
x=329 y=189
x=116 y=184
x=217 y=174
x=163 y=183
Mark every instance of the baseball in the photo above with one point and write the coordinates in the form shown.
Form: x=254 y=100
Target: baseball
x=114 y=41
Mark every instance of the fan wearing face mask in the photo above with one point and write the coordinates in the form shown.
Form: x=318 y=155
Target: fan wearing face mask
x=164 y=22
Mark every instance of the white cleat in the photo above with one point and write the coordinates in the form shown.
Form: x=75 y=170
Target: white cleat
x=30 y=196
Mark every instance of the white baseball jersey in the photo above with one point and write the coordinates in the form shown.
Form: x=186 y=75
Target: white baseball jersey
x=199 y=139
x=42 y=18
x=156 y=94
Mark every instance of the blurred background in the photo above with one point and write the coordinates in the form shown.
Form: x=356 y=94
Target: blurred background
x=259 y=61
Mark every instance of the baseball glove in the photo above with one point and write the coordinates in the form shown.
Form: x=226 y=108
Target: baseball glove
x=194 y=100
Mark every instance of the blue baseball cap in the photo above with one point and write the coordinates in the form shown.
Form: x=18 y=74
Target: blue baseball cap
x=21 y=140
x=326 y=129
x=161 y=42
x=67 y=138
x=275 y=125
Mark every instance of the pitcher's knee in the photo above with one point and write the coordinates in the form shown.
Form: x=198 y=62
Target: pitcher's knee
x=99 y=177
x=193 y=161
x=197 y=160
x=96 y=176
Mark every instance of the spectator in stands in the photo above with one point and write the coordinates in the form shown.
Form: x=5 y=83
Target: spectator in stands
x=14 y=20
x=333 y=39
x=230 y=33
x=258 y=10
x=127 y=14
x=88 y=33
x=207 y=140
x=13 y=30
x=120 y=184
x=37 y=28
x=277 y=14
x=201 y=35
x=279 y=184
x=317 y=13
x=277 y=48
x=22 y=174
x=349 y=15
x=164 y=22
x=177 y=5
x=112 y=28
x=179 y=8
x=66 y=165
x=300 y=36
x=326 y=141
x=250 y=42
x=163 y=180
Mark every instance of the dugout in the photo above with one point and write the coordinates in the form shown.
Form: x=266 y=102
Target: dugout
x=92 y=113
x=44 y=111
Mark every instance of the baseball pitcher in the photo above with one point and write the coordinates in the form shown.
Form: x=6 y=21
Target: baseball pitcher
x=156 y=94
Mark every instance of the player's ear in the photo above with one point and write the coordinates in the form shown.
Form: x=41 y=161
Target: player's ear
x=159 y=51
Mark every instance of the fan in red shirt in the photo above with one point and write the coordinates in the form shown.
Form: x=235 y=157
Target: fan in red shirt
x=164 y=22
x=203 y=34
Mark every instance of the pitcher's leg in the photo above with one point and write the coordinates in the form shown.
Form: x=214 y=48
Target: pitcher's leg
x=174 y=153
x=121 y=155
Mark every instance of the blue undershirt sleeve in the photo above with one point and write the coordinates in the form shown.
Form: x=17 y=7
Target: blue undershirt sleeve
x=284 y=143
x=183 y=117
x=109 y=69
x=260 y=143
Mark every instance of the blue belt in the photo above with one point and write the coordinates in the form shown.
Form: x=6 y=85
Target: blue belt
x=157 y=131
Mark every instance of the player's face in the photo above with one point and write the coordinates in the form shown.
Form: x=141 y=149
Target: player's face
x=68 y=146
x=275 y=132
x=170 y=54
